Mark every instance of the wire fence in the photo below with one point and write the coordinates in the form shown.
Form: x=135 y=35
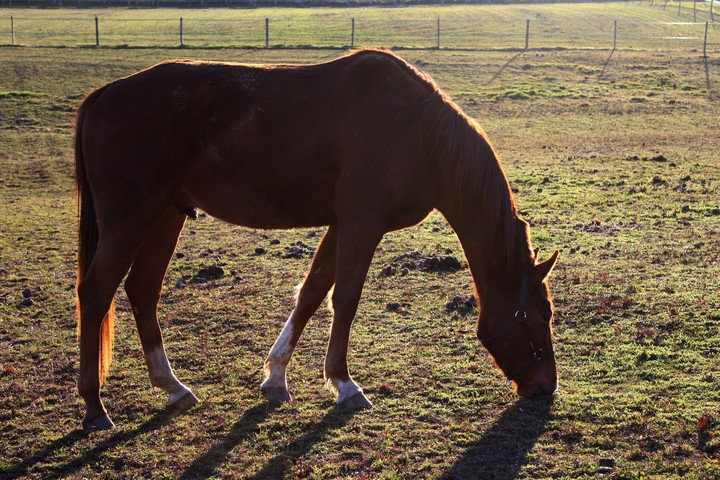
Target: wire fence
x=264 y=3
x=432 y=33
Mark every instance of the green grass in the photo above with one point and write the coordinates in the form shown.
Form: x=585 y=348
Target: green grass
x=18 y=94
x=637 y=292
x=462 y=27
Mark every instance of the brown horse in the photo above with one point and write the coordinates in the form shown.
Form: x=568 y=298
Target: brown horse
x=365 y=144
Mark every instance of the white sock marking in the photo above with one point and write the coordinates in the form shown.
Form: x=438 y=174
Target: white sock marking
x=279 y=356
x=344 y=389
x=162 y=376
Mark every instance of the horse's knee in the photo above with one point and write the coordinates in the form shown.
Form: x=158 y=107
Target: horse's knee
x=344 y=305
x=304 y=305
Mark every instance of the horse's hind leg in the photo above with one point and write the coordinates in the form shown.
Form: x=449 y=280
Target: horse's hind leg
x=313 y=291
x=143 y=287
x=95 y=294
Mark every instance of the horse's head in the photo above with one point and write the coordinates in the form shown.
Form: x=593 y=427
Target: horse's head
x=515 y=325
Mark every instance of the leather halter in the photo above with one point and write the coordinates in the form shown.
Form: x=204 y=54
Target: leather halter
x=519 y=318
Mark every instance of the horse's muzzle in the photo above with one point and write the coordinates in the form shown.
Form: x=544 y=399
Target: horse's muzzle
x=537 y=389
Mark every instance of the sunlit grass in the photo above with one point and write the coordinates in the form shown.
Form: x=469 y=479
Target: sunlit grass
x=625 y=188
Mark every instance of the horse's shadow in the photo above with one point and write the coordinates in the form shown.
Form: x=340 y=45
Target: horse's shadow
x=206 y=465
x=72 y=466
x=500 y=453
x=504 y=449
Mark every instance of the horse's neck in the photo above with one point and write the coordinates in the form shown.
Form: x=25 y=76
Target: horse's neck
x=486 y=257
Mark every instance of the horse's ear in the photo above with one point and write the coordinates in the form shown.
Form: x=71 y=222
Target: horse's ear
x=542 y=270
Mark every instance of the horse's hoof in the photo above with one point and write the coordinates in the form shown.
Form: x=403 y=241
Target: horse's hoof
x=276 y=394
x=102 y=422
x=183 y=403
x=355 y=402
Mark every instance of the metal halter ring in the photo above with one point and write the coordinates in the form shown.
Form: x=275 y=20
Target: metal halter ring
x=520 y=316
x=538 y=354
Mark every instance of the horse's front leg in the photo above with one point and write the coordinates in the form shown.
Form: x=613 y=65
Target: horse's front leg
x=356 y=247
x=313 y=291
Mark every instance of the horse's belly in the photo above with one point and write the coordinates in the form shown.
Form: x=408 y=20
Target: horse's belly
x=257 y=213
x=265 y=202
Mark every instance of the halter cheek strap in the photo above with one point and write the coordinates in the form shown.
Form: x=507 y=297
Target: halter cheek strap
x=519 y=318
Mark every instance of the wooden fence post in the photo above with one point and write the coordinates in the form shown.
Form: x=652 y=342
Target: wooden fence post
x=694 y=10
x=527 y=34
x=181 y=32
x=12 y=31
x=267 y=32
x=438 y=33
x=352 y=32
x=614 y=35
x=679 y=6
x=712 y=15
x=97 y=32
x=705 y=41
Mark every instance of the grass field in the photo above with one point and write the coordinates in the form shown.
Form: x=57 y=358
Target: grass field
x=614 y=160
x=587 y=26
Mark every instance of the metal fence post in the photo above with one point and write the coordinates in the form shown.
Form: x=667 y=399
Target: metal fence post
x=438 y=33
x=352 y=32
x=679 y=6
x=694 y=10
x=527 y=34
x=97 y=33
x=12 y=31
x=705 y=41
x=614 y=35
x=181 y=32
x=712 y=15
x=267 y=32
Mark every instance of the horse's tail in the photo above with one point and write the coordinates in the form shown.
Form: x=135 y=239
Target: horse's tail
x=88 y=238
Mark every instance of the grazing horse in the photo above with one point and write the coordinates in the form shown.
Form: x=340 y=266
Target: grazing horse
x=364 y=144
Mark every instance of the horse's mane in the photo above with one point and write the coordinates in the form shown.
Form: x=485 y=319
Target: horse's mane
x=459 y=145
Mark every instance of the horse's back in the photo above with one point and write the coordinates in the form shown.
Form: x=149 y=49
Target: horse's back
x=263 y=146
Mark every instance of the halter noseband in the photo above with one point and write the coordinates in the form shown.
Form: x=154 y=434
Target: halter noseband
x=519 y=318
